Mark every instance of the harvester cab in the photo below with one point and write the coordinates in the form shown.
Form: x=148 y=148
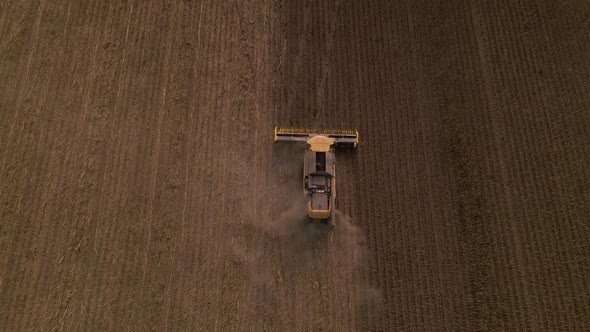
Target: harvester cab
x=319 y=166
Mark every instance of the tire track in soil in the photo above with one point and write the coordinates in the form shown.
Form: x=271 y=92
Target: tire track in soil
x=95 y=125
x=208 y=316
x=127 y=193
x=163 y=188
x=174 y=310
x=203 y=75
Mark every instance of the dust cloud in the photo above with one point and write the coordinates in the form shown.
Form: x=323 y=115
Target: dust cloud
x=293 y=258
x=296 y=270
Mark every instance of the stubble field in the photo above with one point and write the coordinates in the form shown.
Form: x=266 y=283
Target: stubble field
x=140 y=188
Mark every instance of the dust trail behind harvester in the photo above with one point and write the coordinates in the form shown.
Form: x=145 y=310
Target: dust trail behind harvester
x=302 y=274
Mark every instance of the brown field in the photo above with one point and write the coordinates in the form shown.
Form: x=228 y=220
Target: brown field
x=140 y=188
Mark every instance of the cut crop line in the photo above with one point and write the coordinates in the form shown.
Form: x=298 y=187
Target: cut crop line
x=155 y=163
x=186 y=182
x=21 y=91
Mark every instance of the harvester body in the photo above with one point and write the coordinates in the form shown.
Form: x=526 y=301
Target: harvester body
x=319 y=167
x=319 y=179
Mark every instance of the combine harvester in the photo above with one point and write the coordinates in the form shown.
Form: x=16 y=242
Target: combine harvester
x=319 y=166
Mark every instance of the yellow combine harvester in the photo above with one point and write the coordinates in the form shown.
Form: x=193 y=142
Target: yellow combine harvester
x=319 y=166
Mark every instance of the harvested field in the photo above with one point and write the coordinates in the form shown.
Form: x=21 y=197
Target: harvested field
x=140 y=188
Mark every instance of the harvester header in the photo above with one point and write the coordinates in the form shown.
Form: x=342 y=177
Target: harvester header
x=345 y=138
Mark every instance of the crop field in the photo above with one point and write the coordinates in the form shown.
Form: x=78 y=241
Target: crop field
x=140 y=188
